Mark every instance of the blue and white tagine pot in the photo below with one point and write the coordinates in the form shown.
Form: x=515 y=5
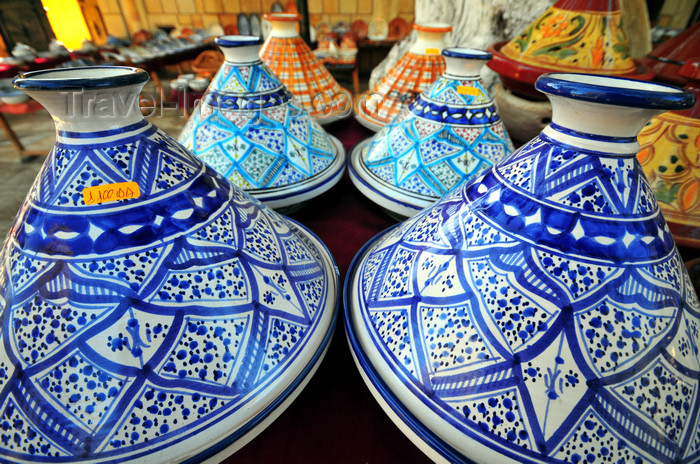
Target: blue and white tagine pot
x=450 y=133
x=251 y=130
x=540 y=313
x=151 y=312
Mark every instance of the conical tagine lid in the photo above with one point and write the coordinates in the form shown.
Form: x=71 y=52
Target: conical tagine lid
x=151 y=312
x=572 y=35
x=250 y=129
x=417 y=69
x=541 y=312
x=670 y=154
x=450 y=133
x=291 y=59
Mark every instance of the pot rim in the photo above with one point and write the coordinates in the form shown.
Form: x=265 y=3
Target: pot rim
x=467 y=53
x=614 y=90
x=81 y=78
x=237 y=40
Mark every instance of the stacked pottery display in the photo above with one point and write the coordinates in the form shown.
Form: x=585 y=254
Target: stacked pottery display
x=571 y=36
x=541 y=312
x=291 y=59
x=151 y=312
x=413 y=73
x=252 y=131
x=670 y=156
x=449 y=133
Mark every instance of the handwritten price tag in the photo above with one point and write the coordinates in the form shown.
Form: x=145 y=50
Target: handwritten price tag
x=432 y=51
x=467 y=90
x=111 y=192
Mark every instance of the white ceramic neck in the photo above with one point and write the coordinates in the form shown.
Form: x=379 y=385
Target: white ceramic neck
x=91 y=110
x=429 y=41
x=283 y=29
x=242 y=54
x=463 y=67
x=598 y=119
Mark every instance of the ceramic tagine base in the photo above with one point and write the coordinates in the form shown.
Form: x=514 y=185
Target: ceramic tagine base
x=520 y=77
x=583 y=36
x=449 y=133
x=519 y=319
x=361 y=114
x=251 y=130
x=152 y=313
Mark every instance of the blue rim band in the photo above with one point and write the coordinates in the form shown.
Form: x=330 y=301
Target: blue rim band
x=237 y=40
x=123 y=76
x=467 y=53
x=615 y=91
x=588 y=135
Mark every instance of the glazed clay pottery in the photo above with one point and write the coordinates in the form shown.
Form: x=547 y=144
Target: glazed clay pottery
x=666 y=60
x=541 y=312
x=359 y=28
x=523 y=117
x=251 y=130
x=572 y=35
x=291 y=59
x=255 y=28
x=244 y=24
x=151 y=312
x=378 y=29
x=413 y=73
x=670 y=156
x=450 y=133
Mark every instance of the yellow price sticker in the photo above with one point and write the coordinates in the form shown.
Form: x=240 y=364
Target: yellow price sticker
x=432 y=51
x=467 y=90
x=111 y=192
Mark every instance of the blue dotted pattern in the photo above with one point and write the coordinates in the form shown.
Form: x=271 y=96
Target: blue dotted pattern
x=479 y=307
x=126 y=326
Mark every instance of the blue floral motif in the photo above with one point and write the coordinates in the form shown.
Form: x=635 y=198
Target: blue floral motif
x=542 y=310
x=133 y=326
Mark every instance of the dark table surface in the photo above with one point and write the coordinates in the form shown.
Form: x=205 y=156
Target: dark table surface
x=335 y=419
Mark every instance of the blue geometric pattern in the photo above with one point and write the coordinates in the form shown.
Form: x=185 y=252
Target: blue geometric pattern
x=542 y=311
x=449 y=133
x=251 y=130
x=132 y=326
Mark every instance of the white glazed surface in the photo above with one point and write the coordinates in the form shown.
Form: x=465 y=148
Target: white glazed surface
x=282 y=28
x=430 y=41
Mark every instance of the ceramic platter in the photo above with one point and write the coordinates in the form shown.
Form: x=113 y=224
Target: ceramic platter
x=340 y=112
x=362 y=117
x=393 y=199
x=303 y=191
